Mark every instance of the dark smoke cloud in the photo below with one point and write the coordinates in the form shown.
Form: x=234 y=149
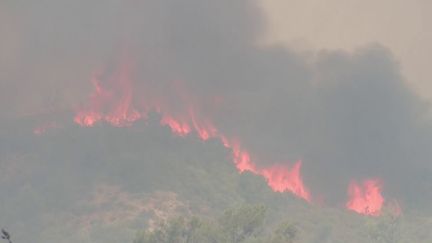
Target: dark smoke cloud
x=345 y=114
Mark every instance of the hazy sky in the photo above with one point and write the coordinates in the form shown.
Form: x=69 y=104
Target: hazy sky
x=401 y=25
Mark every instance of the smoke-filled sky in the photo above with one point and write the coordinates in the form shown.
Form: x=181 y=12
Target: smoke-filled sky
x=346 y=113
x=401 y=25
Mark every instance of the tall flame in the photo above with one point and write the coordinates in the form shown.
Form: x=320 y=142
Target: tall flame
x=112 y=106
x=365 y=198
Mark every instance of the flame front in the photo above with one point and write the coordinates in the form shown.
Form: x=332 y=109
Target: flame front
x=113 y=104
x=365 y=198
x=115 y=107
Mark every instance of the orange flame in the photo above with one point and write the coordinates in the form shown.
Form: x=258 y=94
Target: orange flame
x=242 y=160
x=365 y=198
x=111 y=106
x=281 y=179
x=178 y=127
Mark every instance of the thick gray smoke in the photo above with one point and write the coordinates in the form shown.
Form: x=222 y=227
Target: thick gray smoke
x=346 y=115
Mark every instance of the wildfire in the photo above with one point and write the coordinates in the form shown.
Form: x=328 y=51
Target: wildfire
x=178 y=127
x=282 y=179
x=114 y=106
x=112 y=102
x=365 y=198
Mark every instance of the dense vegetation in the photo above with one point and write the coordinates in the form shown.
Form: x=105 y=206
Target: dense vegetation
x=144 y=185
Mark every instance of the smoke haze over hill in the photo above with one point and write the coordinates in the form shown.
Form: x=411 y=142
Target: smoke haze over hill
x=346 y=115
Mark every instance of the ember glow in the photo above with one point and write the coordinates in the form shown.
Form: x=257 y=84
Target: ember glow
x=115 y=106
x=42 y=129
x=365 y=198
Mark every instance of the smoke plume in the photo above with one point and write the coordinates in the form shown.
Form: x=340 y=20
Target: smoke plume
x=198 y=63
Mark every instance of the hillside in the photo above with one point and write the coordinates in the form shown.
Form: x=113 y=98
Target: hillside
x=107 y=184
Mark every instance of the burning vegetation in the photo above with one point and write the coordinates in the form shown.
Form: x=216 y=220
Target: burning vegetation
x=112 y=101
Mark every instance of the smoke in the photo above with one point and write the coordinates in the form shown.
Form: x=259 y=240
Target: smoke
x=346 y=115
